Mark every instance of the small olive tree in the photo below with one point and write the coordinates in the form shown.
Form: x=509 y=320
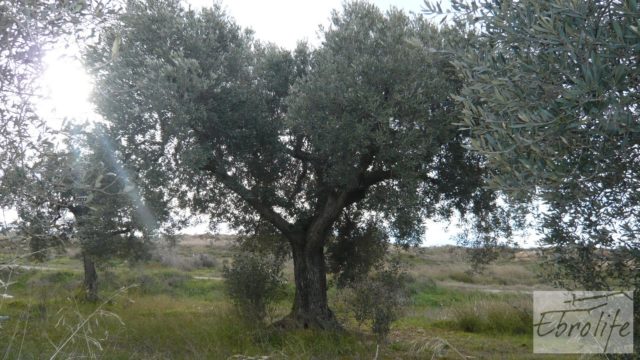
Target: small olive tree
x=378 y=298
x=82 y=196
x=254 y=282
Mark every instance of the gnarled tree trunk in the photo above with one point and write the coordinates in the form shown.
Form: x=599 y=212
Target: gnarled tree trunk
x=310 y=306
x=90 y=279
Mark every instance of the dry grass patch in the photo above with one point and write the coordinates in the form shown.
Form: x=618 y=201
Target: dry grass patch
x=512 y=315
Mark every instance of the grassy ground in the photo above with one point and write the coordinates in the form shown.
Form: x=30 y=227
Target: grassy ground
x=175 y=308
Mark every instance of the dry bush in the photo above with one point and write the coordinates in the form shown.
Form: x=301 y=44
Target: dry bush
x=510 y=274
x=171 y=258
x=495 y=316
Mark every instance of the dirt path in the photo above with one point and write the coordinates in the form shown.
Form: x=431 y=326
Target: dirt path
x=34 y=267
x=494 y=289
x=217 y=278
x=51 y=268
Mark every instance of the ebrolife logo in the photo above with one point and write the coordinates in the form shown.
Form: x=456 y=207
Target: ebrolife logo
x=583 y=322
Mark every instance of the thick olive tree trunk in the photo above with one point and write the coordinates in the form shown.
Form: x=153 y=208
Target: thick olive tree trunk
x=310 y=305
x=90 y=279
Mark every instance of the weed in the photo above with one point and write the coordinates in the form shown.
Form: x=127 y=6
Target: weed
x=83 y=330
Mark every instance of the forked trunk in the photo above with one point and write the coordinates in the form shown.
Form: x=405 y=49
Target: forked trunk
x=90 y=279
x=310 y=306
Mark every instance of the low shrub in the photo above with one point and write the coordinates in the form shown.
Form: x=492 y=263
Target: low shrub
x=254 y=282
x=205 y=261
x=379 y=298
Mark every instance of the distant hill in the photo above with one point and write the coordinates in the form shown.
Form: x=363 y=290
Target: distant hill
x=220 y=240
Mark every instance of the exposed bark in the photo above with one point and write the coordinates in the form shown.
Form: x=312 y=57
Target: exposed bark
x=310 y=305
x=90 y=279
x=249 y=195
x=308 y=236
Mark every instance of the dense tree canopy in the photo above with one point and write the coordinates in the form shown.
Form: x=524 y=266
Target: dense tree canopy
x=296 y=143
x=551 y=99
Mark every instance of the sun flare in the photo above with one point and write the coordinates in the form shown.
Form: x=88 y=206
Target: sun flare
x=66 y=89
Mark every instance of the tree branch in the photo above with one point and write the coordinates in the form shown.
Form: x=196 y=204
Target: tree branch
x=373 y=177
x=333 y=203
x=120 y=232
x=265 y=210
x=324 y=218
x=302 y=155
x=298 y=185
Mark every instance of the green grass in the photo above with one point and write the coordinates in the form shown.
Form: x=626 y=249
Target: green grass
x=471 y=311
x=160 y=327
x=172 y=315
x=435 y=296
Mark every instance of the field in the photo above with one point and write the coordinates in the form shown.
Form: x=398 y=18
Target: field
x=174 y=307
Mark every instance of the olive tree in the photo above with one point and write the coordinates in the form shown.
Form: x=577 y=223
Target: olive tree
x=551 y=100
x=295 y=142
x=80 y=196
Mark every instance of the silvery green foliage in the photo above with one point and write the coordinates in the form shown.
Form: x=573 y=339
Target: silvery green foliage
x=552 y=91
x=254 y=282
x=378 y=299
x=246 y=131
x=355 y=250
x=28 y=29
x=551 y=99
